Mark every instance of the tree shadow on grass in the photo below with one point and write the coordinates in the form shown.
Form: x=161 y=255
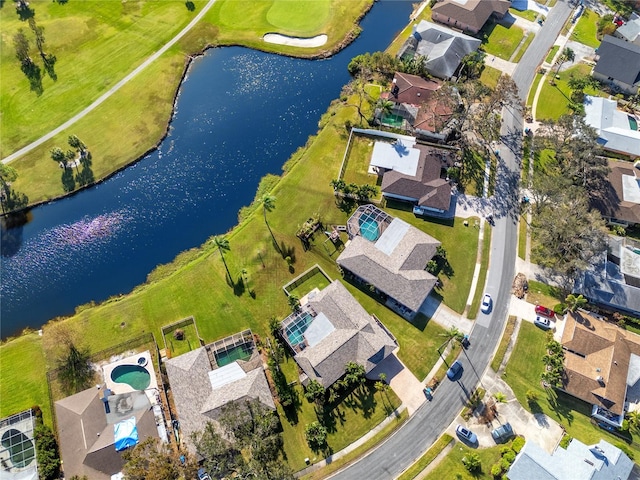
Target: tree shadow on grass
x=560 y=405
x=68 y=181
x=238 y=286
x=85 y=176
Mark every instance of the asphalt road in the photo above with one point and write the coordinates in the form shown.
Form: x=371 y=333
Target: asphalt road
x=421 y=430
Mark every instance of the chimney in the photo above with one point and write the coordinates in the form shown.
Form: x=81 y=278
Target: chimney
x=600 y=380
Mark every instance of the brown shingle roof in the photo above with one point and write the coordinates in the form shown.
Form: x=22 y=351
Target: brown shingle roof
x=595 y=349
x=609 y=200
x=412 y=89
x=474 y=13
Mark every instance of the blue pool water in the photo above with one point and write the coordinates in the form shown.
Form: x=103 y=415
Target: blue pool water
x=369 y=229
x=295 y=332
x=135 y=376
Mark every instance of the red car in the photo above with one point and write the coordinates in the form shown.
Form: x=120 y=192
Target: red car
x=547 y=312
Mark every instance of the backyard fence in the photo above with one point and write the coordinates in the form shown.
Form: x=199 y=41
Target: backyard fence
x=168 y=329
x=303 y=277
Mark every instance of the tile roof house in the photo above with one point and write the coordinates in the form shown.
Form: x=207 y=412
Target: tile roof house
x=618 y=64
x=86 y=423
x=617 y=130
x=200 y=389
x=422 y=187
x=630 y=31
x=577 y=462
x=619 y=199
x=331 y=330
x=601 y=361
x=614 y=282
x=391 y=255
x=442 y=48
x=423 y=113
x=468 y=15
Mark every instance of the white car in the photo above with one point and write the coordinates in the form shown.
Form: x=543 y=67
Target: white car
x=486 y=303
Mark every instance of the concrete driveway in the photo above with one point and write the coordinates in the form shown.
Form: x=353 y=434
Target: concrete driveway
x=545 y=431
x=401 y=381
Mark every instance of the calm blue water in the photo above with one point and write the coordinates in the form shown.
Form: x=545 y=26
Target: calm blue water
x=240 y=115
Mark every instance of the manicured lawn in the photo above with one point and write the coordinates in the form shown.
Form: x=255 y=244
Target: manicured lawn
x=533 y=89
x=484 y=266
x=542 y=294
x=504 y=343
x=586 y=29
x=490 y=76
x=361 y=450
x=451 y=466
x=428 y=457
x=23 y=381
x=530 y=15
x=114 y=40
x=472 y=176
x=189 y=342
x=554 y=99
x=500 y=40
x=523 y=47
x=522 y=238
x=523 y=374
x=317 y=280
x=552 y=53
x=357 y=163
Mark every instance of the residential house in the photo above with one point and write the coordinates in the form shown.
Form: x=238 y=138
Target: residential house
x=441 y=47
x=94 y=426
x=619 y=199
x=578 y=461
x=614 y=281
x=202 y=382
x=423 y=113
x=601 y=366
x=17 y=449
x=413 y=173
x=617 y=130
x=630 y=31
x=332 y=329
x=468 y=15
x=618 y=64
x=391 y=256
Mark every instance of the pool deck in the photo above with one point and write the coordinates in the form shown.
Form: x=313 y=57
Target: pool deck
x=118 y=388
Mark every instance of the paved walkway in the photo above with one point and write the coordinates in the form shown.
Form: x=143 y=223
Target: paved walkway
x=444 y=316
x=113 y=89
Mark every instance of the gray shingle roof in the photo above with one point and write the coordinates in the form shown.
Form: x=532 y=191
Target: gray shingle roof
x=619 y=60
x=474 y=13
x=402 y=274
x=86 y=432
x=442 y=47
x=631 y=29
x=196 y=401
x=357 y=337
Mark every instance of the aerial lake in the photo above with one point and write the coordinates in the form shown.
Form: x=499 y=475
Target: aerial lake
x=240 y=115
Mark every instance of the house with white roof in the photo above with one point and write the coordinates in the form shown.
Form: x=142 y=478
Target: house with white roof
x=617 y=130
x=578 y=462
x=630 y=31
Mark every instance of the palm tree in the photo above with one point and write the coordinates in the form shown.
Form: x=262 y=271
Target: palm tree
x=268 y=205
x=634 y=419
x=567 y=55
x=453 y=334
x=223 y=246
x=574 y=302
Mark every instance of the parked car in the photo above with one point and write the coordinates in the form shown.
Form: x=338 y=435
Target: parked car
x=466 y=434
x=203 y=475
x=486 y=303
x=503 y=433
x=454 y=370
x=543 y=322
x=544 y=311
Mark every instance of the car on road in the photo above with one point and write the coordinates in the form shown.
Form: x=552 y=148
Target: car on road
x=466 y=434
x=544 y=311
x=454 y=370
x=543 y=322
x=486 y=303
x=203 y=475
x=502 y=433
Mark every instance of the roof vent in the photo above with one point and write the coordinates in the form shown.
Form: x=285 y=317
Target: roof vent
x=600 y=380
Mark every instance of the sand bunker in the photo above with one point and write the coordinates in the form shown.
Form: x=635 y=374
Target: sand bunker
x=316 y=41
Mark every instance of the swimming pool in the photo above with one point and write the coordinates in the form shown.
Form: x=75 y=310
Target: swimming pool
x=369 y=228
x=20 y=447
x=241 y=352
x=135 y=376
x=295 y=331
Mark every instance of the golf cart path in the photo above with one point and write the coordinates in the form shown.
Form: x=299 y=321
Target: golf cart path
x=112 y=90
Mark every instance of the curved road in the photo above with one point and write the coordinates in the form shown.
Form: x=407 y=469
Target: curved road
x=425 y=426
x=112 y=90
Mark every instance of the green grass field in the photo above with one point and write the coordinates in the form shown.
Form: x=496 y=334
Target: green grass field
x=523 y=47
x=554 y=99
x=522 y=238
x=504 y=343
x=423 y=462
x=482 y=278
x=586 y=29
x=552 y=53
x=451 y=466
x=357 y=163
x=500 y=40
x=120 y=131
x=533 y=89
x=490 y=76
x=530 y=15
x=317 y=280
x=523 y=374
